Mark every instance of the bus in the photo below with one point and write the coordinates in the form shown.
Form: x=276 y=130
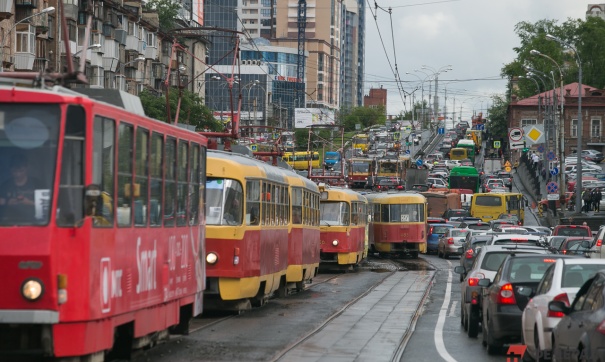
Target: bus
x=398 y=223
x=470 y=148
x=489 y=206
x=361 y=141
x=458 y=153
x=464 y=177
x=301 y=160
x=343 y=219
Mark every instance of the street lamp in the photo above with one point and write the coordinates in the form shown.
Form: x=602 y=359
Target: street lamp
x=94 y=46
x=580 y=121
x=436 y=73
x=47 y=10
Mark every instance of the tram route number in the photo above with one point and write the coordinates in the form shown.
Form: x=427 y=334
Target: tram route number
x=405 y=218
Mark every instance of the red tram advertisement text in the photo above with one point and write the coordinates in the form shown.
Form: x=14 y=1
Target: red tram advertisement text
x=343 y=227
x=101 y=225
x=398 y=223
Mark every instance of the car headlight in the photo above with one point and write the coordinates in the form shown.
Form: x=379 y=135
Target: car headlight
x=32 y=289
x=211 y=258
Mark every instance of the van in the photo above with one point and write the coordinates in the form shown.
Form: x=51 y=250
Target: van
x=572 y=230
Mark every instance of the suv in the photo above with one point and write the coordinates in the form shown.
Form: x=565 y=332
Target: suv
x=598 y=252
x=487 y=262
x=572 y=230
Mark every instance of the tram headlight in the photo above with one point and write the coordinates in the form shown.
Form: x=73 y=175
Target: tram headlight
x=335 y=242
x=32 y=289
x=211 y=258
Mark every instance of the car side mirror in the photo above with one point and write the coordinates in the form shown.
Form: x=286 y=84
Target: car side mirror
x=558 y=306
x=459 y=269
x=485 y=282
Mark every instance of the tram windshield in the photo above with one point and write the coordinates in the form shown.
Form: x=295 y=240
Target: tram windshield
x=360 y=167
x=403 y=213
x=334 y=213
x=28 y=153
x=223 y=202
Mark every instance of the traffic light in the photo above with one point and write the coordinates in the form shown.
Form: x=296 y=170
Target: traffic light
x=525 y=149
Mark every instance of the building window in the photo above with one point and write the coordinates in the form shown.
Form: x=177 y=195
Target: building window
x=528 y=122
x=595 y=128
x=26 y=39
x=574 y=128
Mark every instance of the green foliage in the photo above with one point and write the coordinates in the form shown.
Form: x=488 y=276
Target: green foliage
x=167 y=12
x=498 y=123
x=365 y=116
x=585 y=35
x=193 y=111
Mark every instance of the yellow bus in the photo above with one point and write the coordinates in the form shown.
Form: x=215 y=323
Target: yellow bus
x=300 y=160
x=458 y=153
x=489 y=206
x=361 y=142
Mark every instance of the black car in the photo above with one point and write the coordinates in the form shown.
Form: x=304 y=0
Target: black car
x=580 y=335
x=469 y=251
x=386 y=184
x=420 y=187
x=455 y=213
x=505 y=298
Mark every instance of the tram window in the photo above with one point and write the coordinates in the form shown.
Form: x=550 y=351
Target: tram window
x=126 y=192
x=252 y=202
x=71 y=186
x=181 y=199
x=224 y=203
x=194 y=185
x=103 y=168
x=156 y=181
x=297 y=197
x=285 y=207
x=265 y=206
x=141 y=172
x=385 y=213
x=169 y=182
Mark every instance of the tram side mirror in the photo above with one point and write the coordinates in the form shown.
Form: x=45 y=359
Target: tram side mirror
x=92 y=196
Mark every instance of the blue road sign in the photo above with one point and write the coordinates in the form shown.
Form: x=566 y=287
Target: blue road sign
x=481 y=127
x=552 y=187
x=441 y=130
x=407 y=152
x=541 y=148
x=554 y=171
x=551 y=156
x=254 y=148
x=419 y=162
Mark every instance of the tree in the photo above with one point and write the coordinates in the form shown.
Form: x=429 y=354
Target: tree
x=193 y=111
x=498 y=122
x=167 y=12
x=365 y=116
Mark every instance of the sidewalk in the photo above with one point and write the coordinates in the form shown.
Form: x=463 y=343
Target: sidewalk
x=374 y=328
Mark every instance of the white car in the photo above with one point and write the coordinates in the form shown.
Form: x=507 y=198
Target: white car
x=450 y=242
x=436 y=182
x=452 y=163
x=561 y=282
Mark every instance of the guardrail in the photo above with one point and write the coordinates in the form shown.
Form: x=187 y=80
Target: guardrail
x=431 y=142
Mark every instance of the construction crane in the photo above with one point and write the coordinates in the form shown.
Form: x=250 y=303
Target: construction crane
x=300 y=69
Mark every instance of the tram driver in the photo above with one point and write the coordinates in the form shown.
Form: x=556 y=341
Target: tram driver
x=17 y=193
x=233 y=212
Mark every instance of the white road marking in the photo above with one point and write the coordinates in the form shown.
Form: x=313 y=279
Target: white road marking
x=441 y=321
x=453 y=308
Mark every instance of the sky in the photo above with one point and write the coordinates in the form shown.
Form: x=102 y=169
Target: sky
x=475 y=37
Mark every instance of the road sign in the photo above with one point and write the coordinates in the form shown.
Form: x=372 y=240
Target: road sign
x=441 y=130
x=515 y=134
x=551 y=156
x=254 y=148
x=552 y=187
x=552 y=197
x=516 y=145
x=507 y=164
x=507 y=168
x=419 y=162
x=554 y=171
x=407 y=152
x=481 y=127
x=541 y=148
x=534 y=134
x=496 y=144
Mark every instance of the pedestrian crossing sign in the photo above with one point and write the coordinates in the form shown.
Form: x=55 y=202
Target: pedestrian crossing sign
x=507 y=164
x=496 y=144
x=254 y=148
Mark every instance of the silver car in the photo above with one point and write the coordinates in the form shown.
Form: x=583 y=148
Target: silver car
x=450 y=242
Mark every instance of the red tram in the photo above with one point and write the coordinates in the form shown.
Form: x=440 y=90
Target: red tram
x=101 y=225
x=343 y=223
x=248 y=229
x=398 y=223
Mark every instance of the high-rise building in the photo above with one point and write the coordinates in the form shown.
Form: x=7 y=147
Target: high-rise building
x=257 y=17
x=352 y=53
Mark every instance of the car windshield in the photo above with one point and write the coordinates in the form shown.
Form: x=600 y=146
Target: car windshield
x=440 y=229
x=492 y=261
x=574 y=276
x=29 y=135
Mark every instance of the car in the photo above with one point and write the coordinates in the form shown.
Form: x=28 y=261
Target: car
x=466 y=162
x=497 y=222
x=590 y=155
x=597 y=250
x=580 y=334
x=498 y=191
x=436 y=182
x=518 y=239
x=511 y=229
x=561 y=282
x=450 y=242
x=386 y=184
x=574 y=245
x=455 y=213
x=538 y=230
x=435 y=232
x=572 y=230
x=420 y=187
x=493 y=183
x=512 y=217
x=572 y=168
x=486 y=264
x=435 y=220
x=507 y=178
x=469 y=250
x=504 y=298
x=475 y=224
x=438 y=174
x=452 y=163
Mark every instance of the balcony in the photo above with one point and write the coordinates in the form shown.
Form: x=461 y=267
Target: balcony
x=132 y=42
x=151 y=52
x=24 y=61
x=121 y=36
x=6 y=9
x=40 y=64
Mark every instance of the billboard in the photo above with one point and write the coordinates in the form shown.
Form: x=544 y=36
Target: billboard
x=305 y=117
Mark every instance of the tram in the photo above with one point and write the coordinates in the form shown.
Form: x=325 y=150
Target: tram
x=343 y=220
x=249 y=231
x=101 y=222
x=398 y=223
